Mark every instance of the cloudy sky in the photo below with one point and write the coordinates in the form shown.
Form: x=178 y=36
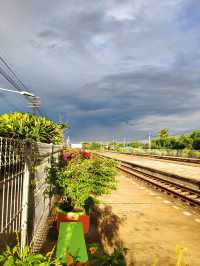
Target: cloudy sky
x=111 y=68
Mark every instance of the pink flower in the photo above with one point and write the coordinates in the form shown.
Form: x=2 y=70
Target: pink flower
x=66 y=157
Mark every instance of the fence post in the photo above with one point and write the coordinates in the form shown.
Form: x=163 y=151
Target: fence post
x=25 y=193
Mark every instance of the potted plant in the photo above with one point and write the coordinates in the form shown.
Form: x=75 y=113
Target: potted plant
x=75 y=180
x=73 y=215
x=75 y=185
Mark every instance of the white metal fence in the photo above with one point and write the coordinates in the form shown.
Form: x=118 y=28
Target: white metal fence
x=12 y=172
x=23 y=203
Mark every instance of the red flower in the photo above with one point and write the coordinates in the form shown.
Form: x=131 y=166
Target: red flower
x=87 y=155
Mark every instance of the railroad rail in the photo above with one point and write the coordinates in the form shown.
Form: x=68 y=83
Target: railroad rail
x=186 y=189
x=182 y=160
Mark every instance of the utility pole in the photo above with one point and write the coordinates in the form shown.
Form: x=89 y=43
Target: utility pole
x=113 y=143
x=149 y=141
x=68 y=141
x=35 y=104
x=34 y=100
x=124 y=142
x=61 y=121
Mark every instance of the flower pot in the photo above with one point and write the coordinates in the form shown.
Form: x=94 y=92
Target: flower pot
x=73 y=216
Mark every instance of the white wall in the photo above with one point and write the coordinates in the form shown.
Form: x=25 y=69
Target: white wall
x=76 y=145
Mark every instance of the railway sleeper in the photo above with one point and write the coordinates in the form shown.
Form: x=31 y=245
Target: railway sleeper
x=162 y=185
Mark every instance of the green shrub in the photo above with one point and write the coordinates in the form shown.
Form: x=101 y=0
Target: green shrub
x=24 y=125
x=79 y=179
x=74 y=182
x=16 y=256
x=116 y=258
x=102 y=174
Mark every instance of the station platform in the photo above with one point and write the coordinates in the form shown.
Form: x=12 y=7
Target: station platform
x=171 y=167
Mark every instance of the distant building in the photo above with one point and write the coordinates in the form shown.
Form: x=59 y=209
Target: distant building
x=76 y=145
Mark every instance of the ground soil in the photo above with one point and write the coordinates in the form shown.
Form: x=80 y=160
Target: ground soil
x=147 y=222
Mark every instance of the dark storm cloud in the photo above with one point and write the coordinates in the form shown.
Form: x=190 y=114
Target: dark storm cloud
x=111 y=68
x=125 y=96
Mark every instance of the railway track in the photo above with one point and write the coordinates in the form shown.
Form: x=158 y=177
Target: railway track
x=180 y=160
x=188 y=190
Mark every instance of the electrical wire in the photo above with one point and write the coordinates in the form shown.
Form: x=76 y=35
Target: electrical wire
x=9 y=79
x=17 y=83
x=12 y=71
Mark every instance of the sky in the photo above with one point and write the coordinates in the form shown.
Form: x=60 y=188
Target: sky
x=111 y=68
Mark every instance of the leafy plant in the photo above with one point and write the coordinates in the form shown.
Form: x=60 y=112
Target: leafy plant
x=90 y=204
x=114 y=259
x=16 y=256
x=180 y=255
x=74 y=180
x=51 y=178
x=24 y=125
x=92 y=146
x=102 y=173
x=77 y=180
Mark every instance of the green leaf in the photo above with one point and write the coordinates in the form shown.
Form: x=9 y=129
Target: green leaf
x=23 y=125
x=2 y=258
x=10 y=261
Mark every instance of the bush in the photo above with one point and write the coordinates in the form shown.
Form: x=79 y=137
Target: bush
x=74 y=182
x=102 y=173
x=24 y=125
x=16 y=256
x=116 y=258
x=74 y=155
x=78 y=179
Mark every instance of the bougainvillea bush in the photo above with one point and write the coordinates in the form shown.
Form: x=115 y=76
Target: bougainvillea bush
x=78 y=178
x=27 y=126
x=75 y=155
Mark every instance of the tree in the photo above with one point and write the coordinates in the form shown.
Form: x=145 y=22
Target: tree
x=195 y=136
x=162 y=140
x=95 y=146
x=185 y=142
x=135 y=144
x=164 y=133
x=86 y=145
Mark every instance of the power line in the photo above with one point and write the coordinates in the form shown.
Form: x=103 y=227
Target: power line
x=17 y=84
x=9 y=79
x=34 y=101
x=12 y=71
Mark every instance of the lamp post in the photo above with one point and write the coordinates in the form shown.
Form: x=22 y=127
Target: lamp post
x=149 y=142
x=34 y=99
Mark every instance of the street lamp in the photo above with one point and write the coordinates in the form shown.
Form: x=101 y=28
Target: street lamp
x=34 y=100
x=25 y=93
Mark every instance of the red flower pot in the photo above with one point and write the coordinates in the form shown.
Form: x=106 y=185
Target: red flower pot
x=74 y=217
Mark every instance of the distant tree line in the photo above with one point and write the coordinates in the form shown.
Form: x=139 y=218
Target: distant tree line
x=185 y=141
x=163 y=140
